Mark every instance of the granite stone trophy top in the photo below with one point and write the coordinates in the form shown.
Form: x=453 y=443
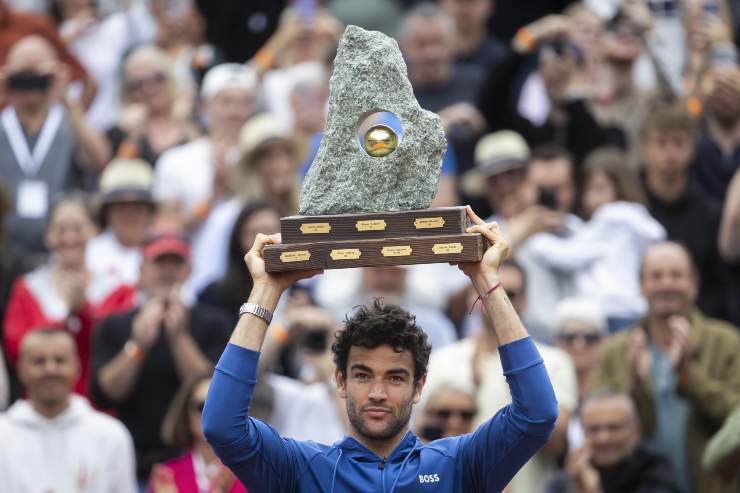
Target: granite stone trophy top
x=380 y=151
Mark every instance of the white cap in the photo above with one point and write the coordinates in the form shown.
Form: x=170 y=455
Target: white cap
x=228 y=75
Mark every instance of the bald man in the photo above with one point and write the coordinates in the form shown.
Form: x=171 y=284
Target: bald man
x=681 y=368
x=44 y=138
x=54 y=440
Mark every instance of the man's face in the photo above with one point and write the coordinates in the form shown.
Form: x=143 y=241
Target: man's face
x=379 y=391
x=230 y=108
x=454 y=412
x=469 y=15
x=722 y=94
x=556 y=175
x=667 y=282
x=160 y=275
x=428 y=48
x=667 y=155
x=506 y=192
x=581 y=341
x=129 y=221
x=610 y=429
x=48 y=368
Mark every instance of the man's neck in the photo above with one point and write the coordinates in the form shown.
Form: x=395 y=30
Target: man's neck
x=51 y=410
x=381 y=447
x=726 y=136
x=467 y=41
x=32 y=119
x=666 y=191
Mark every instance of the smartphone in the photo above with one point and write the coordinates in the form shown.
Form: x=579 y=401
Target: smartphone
x=548 y=198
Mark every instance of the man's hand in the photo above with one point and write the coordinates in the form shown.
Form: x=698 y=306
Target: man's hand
x=639 y=358
x=462 y=115
x=484 y=274
x=585 y=477
x=147 y=324
x=175 y=317
x=256 y=265
x=678 y=349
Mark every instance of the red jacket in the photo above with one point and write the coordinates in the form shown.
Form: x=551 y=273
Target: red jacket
x=180 y=473
x=34 y=304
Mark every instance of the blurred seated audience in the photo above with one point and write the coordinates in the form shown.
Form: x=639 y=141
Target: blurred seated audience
x=474 y=45
x=448 y=412
x=152 y=117
x=681 y=368
x=126 y=209
x=142 y=356
x=614 y=458
x=676 y=200
x=63 y=293
x=473 y=362
x=53 y=440
x=729 y=246
x=198 y=470
x=47 y=143
x=604 y=254
x=229 y=292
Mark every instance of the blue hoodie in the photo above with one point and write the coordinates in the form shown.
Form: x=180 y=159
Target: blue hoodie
x=482 y=461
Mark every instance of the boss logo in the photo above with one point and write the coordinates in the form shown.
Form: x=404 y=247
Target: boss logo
x=428 y=478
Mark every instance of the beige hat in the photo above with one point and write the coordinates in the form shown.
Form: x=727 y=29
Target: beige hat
x=228 y=75
x=495 y=153
x=126 y=180
x=262 y=129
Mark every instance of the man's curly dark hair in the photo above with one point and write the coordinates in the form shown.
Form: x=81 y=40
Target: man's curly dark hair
x=379 y=324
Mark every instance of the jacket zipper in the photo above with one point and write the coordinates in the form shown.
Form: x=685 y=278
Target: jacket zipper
x=381 y=466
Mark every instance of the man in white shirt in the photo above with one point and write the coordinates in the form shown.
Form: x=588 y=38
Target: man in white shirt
x=191 y=180
x=54 y=440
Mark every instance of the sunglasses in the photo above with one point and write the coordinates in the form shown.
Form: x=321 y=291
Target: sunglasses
x=590 y=338
x=137 y=85
x=29 y=81
x=198 y=406
x=445 y=414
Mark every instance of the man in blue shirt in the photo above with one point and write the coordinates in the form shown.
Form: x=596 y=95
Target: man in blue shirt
x=381 y=359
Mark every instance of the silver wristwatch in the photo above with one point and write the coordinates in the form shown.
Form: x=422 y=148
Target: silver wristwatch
x=257 y=311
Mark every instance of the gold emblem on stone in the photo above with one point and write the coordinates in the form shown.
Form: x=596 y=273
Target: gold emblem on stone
x=380 y=140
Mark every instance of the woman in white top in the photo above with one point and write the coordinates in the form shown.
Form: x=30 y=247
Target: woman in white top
x=604 y=255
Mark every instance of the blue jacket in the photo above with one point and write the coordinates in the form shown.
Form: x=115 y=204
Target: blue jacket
x=482 y=461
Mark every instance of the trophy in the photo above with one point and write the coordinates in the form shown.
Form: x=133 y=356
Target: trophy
x=365 y=200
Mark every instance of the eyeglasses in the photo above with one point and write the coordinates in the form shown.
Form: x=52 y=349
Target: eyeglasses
x=198 y=406
x=445 y=414
x=136 y=85
x=590 y=338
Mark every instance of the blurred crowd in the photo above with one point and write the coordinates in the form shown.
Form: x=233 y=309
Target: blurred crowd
x=145 y=143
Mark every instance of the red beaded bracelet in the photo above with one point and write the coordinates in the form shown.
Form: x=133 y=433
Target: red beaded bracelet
x=484 y=297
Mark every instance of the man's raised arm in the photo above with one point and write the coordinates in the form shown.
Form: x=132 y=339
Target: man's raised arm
x=502 y=445
x=250 y=448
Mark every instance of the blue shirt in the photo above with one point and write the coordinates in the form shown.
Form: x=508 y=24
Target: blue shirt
x=482 y=461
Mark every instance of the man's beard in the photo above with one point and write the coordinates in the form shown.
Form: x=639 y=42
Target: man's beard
x=397 y=423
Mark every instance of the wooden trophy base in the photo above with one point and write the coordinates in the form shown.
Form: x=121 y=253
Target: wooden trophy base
x=374 y=239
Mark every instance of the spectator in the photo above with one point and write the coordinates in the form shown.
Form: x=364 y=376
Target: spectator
x=15 y=26
x=85 y=30
x=142 y=356
x=718 y=148
x=427 y=41
x=604 y=254
x=580 y=327
x=126 y=210
x=155 y=114
x=474 y=363
x=229 y=292
x=64 y=293
x=678 y=202
x=681 y=368
x=54 y=440
x=473 y=44
x=530 y=199
x=614 y=459
x=539 y=102
x=199 y=469
x=46 y=135
x=448 y=412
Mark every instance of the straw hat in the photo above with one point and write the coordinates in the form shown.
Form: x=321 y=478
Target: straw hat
x=126 y=180
x=495 y=153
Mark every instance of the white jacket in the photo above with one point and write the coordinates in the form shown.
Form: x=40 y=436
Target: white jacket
x=604 y=256
x=81 y=450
